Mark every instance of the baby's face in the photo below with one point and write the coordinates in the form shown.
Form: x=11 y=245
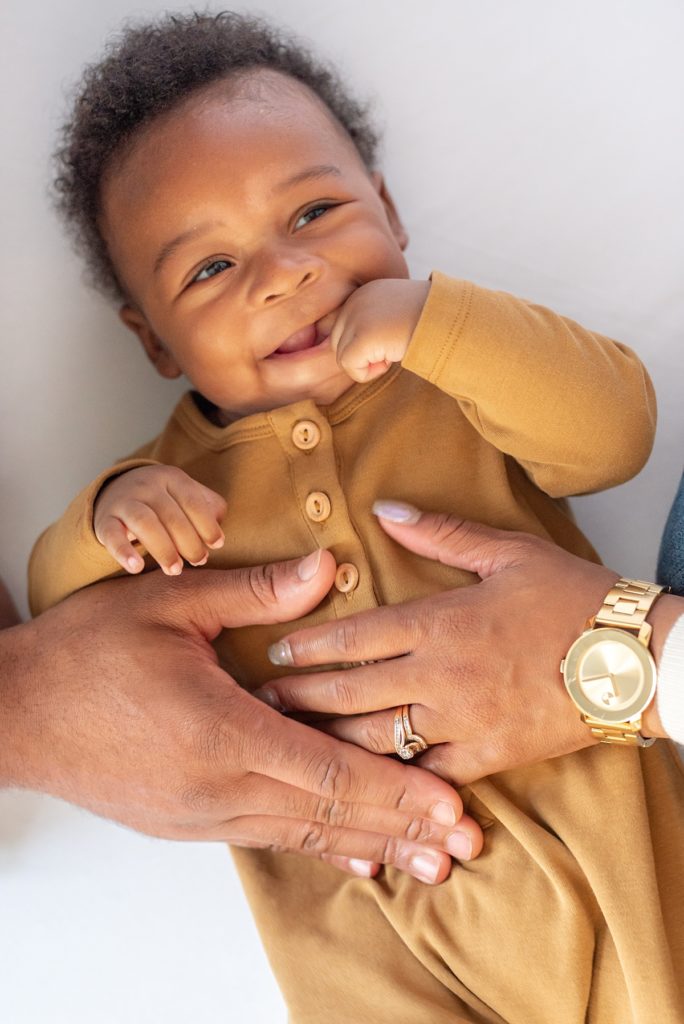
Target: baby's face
x=239 y=225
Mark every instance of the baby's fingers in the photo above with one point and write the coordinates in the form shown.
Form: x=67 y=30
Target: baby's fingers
x=116 y=538
x=145 y=523
x=363 y=358
x=203 y=508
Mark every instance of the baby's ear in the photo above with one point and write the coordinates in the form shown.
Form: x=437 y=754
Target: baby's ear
x=398 y=229
x=157 y=353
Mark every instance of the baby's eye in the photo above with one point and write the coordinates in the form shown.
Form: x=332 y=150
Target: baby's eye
x=212 y=269
x=313 y=214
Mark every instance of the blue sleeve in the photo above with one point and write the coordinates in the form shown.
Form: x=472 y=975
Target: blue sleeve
x=671 y=557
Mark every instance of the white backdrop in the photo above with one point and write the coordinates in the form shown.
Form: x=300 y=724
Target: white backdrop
x=531 y=146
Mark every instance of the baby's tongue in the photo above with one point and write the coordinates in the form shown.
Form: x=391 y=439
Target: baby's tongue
x=299 y=340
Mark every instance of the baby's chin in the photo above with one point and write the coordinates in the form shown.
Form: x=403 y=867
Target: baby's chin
x=323 y=392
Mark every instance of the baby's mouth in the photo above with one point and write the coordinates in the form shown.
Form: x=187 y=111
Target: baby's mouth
x=307 y=337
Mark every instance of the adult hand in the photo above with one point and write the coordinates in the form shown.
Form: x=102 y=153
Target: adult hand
x=113 y=700
x=479 y=665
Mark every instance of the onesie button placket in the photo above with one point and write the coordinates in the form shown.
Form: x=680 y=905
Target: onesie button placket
x=308 y=441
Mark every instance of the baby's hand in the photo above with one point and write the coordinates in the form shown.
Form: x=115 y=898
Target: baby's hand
x=374 y=327
x=173 y=516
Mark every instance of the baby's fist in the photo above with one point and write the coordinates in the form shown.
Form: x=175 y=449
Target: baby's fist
x=375 y=325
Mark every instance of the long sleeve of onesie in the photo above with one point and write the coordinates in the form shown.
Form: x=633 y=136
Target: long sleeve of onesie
x=574 y=408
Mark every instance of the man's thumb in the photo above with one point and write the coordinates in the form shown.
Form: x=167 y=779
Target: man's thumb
x=450 y=539
x=215 y=599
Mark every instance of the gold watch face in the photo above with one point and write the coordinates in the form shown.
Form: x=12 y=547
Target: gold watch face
x=610 y=675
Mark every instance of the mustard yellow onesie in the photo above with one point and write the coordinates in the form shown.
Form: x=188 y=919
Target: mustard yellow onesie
x=573 y=911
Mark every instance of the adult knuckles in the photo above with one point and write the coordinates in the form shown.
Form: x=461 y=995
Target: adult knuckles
x=346 y=638
x=448 y=532
x=342 y=693
x=333 y=812
x=219 y=736
x=200 y=796
x=329 y=775
x=316 y=839
x=420 y=830
x=374 y=738
x=261 y=584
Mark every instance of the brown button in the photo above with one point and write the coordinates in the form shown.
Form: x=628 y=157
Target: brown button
x=305 y=435
x=318 y=506
x=346 y=578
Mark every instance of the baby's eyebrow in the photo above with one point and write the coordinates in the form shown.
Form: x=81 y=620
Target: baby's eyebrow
x=169 y=248
x=309 y=174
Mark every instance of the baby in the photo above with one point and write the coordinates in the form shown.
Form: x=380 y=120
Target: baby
x=225 y=191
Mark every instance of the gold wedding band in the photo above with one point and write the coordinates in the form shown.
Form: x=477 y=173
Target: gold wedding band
x=407 y=743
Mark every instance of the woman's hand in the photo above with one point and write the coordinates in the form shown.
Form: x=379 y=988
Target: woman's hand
x=479 y=666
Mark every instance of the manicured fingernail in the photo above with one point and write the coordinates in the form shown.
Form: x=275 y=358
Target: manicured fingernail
x=202 y=561
x=424 y=867
x=396 y=511
x=361 y=867
x=218 y=543
x=308 y=567
x=280 y=653
x=174 y=570
x=459 y=845
x=443 y=814
x=268 y=697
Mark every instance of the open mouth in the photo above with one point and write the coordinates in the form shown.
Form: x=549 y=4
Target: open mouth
x=301 y=341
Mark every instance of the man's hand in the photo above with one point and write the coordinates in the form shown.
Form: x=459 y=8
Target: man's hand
x=480 y=666
x=114 y=701
x=173 y=516
x=374 y=327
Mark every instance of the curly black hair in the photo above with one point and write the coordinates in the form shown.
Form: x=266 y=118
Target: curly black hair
x=148 y=70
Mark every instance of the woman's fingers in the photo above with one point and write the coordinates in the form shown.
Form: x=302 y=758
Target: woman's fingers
x=376 y=732
x=345 y=691
x=377 y=634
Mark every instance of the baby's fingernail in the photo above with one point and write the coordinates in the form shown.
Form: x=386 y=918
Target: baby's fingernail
x=443 y=813
x=424 y=867
x=361 y=867
x=202 y=561
x=308 y=567
x=280 y=653
x=396 y=511
x=218 y=543
x=268 y=697
x=459 y=845
x=134 y=563
x=174 y=570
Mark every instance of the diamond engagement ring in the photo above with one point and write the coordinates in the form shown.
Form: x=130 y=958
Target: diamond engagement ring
x=407 y=743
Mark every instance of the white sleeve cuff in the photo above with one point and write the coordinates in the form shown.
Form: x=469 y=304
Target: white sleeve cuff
x=670 y=696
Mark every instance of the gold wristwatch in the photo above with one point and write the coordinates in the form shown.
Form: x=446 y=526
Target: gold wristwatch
x=609 y=671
